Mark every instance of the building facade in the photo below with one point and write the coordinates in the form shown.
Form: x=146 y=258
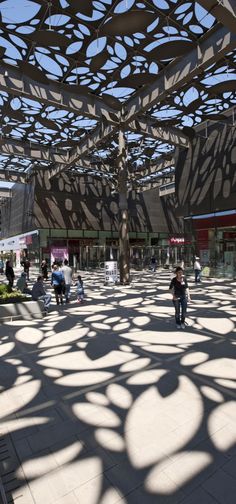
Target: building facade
x=79 y=219
x=203 y=207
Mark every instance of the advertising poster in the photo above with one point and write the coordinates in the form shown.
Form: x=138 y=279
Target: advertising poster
x=58 y=254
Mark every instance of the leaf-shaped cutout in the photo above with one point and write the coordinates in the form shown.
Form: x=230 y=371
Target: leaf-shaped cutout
x=98 y=61
x=110 y=440
x=149 y=423
x=119 y=395
x=223 y=432
x=6 y=348
x=96 y=415
x=29 y=337
x=168 y=384
x=84 y=378
x=166 y=478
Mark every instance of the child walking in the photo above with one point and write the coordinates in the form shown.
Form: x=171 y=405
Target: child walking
x=80 y=290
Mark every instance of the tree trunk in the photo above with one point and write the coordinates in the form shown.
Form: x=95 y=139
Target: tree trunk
x=124 y=216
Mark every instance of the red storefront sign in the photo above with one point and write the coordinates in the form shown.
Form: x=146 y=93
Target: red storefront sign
x=176 y=240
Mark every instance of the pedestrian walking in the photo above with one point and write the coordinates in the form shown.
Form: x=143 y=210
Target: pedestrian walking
x=67 y=272
x=80 y=290
x=58 y=282
x=181 y=295
x=44 y=269
x=26 y=265
x=197 y=269
x=153 y=264
x=9 y=272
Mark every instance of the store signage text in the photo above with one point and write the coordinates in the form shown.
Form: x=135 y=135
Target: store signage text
x=178 y=241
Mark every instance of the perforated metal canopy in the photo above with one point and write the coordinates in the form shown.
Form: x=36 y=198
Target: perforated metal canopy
x=74 y=72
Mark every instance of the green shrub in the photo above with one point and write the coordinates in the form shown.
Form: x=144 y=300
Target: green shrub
x=15 y=296
x=4 y=288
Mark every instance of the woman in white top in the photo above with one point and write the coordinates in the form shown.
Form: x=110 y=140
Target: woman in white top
x=197 y=269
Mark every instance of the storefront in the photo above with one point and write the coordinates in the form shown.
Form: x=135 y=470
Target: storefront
x=83 y=248
x=180 y=251
x=215 y=242
x=16 y=247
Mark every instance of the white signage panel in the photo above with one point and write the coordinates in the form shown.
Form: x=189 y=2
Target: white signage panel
x=17 y=242
x=111 y=272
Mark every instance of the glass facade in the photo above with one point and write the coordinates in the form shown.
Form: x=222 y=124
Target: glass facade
x=214 y=241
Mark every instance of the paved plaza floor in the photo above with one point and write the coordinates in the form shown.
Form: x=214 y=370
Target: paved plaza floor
x=107 y=402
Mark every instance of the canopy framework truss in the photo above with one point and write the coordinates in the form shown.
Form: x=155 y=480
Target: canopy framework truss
x=73 y=74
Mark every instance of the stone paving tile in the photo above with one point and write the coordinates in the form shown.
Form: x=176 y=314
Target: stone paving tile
x=192 y=468
x=67 y=450
x=69 y=498
x=65 y=479
x=23 y=449
x=141 y=496
x=221 y=487
x=17 y=491
x=52 y=435
x=97 y=490
x=230 y=467
x=53 y=418
x=199 y=496
x=22 y=496
x=37 y=465
x=23 y=432
x=123 y=477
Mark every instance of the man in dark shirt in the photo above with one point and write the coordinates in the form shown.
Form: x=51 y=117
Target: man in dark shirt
x=38 y=292
x=180 y=291
x=26 y=265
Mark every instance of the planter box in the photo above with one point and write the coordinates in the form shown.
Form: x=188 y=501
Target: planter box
x=14 y=300
x=25 y=310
